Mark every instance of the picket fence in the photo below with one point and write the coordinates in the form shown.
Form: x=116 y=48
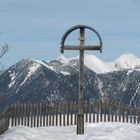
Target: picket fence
x=63 y=114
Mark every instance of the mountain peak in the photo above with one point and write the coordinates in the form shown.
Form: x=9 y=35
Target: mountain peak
x=127 y=57
x=127 y=61
x=63 y=59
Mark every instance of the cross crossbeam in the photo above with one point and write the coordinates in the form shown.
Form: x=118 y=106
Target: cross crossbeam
x=81 y=47
x=85 y=47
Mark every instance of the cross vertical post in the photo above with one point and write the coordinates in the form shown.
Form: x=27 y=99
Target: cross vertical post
x=81 y=47
x=80 y=115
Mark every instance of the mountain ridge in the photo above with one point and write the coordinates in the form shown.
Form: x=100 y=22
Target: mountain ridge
x=37 y=81
x=126 y=61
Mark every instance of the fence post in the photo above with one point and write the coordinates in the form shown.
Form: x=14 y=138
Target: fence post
x=7 y=118
x=109 y=110
x=3 y=122
x=93 y=111
x=71 y=113
x=130 y=114
x=100 y=109
x=86 y=109
x=43 y=114
x=75 y=113
x=134 y=114
x=28 y=114
x=46 y=111
x=89 y=110
x=115 y=108
x=18 y=114
x=97 y=105
x=37 y=115
x=56 y=114
x=22 y=113
x=112 y=111
x=138 y=117
x=40 y=113
x=119 y=111
x=8 y=115
x=15 y=115
x=12 y=110
x=67 y=113
x=31 y=114
x=34 y=110
x=49 y=114
x=60 y=115
x=127 y=113
x=64 y=111
x=25 y=108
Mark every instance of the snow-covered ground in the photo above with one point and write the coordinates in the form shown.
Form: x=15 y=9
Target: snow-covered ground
x=93 y=131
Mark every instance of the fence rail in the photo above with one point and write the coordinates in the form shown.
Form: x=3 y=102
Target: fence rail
x=62 y=114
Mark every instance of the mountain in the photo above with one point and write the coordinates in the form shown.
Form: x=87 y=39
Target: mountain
x=57 y=80
x=124 y=62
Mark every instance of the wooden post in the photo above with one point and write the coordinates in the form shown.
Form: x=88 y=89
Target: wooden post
x=115 y=106
x=34 y=110
x=37 y=114
x=86 y=111
x=97 y=109
x=89 y=111
x=131 y=114
x=56 y=114
x=75 y=113
x=93 y=111
x=105 y=111
x=81 y=48
x=138 y=117
x=134 y=114
x=28 y=114
x=100 y=106
x=64 y=113
x=71 y=113
x=80 y=115
x=15 y=115
x=31 y=114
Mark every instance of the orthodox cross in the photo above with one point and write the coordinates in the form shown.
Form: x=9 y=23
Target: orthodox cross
x=81 y=47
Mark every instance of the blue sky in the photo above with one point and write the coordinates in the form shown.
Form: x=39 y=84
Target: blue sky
x=33 y=28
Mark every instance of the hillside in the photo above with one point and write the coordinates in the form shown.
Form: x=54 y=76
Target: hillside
x=57 y=80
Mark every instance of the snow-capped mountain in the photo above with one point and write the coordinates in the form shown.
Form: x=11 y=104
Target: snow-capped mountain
x=127 y=61
x=124 y=62
x=57 y=80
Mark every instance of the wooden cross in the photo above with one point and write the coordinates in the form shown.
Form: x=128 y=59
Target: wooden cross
x=81 y=47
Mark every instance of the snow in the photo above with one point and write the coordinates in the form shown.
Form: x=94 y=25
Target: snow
x=93 y=131
x=45 y=64
x=63 y=59
x=96 y=65
x=13 y=76
x=129 y=71
x=137 y=92
x=31 y=71
x=126 y=61
x=65 y=73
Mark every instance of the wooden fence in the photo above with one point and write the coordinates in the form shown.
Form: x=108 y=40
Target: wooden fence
x=4 y=122
x=62 y=114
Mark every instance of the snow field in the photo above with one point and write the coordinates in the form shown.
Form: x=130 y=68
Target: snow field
x=93 y=131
